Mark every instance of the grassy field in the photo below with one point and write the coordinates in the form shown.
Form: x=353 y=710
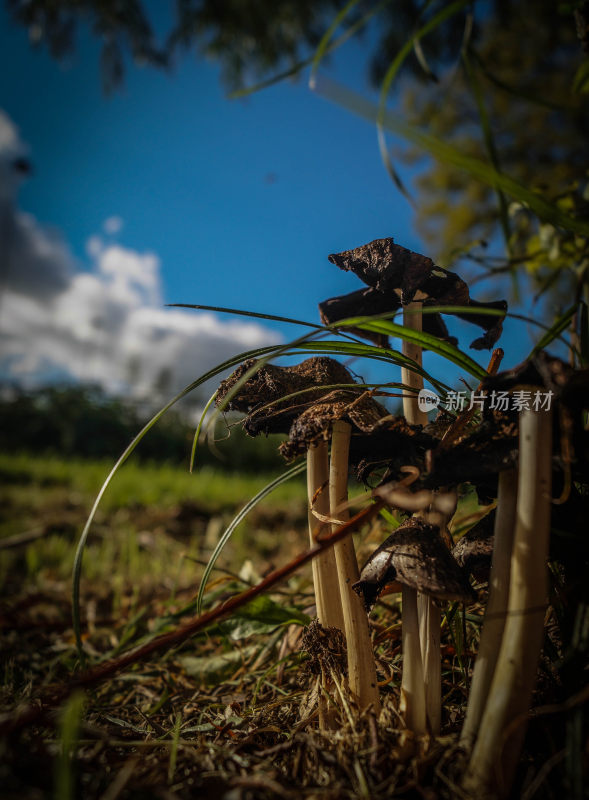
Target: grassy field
x=231 y=709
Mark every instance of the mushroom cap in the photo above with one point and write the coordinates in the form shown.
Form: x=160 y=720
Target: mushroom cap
x=271 y=383
x=400 y=275
x=474 y=550
x=416 y=556
x=362 y=412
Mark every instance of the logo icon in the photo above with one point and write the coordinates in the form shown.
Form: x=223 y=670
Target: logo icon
x=427 y=400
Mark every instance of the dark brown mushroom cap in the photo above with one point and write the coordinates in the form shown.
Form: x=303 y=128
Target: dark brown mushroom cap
x=474 y=550
x=394 y=271
x=416 y=556
x=271 y=383
x=362 y=412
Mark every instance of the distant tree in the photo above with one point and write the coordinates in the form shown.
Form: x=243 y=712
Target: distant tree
x=83 y=422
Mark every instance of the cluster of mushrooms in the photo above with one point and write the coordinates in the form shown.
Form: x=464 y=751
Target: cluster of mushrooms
x=508 y=456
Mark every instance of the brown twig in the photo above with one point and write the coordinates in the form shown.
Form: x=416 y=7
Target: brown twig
x=95 y=675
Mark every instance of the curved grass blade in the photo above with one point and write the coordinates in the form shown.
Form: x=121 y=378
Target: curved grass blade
x=584 y=335
x=385 y=355
x=448 y=154
x=296 y=470
x=477 y=93
x=77 y=569
x=390 y=76
x=199 y=428
x=241 y=313
x=424 y=340
x=555 y=330
x=322 y=47
x=296 y=68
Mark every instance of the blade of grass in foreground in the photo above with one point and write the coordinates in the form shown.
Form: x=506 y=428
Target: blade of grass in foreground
x=555 y=330
x=296 y=470
x=232 y=362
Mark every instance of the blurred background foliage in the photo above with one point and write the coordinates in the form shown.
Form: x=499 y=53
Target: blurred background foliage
x=504 y=80
x=83 y=421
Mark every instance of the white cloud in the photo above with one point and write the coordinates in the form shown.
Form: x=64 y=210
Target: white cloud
x=113 y=225
x=107 y=324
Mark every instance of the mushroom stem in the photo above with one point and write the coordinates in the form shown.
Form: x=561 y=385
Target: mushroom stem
x=327 y=594
x=428 y=611
x=325 y=582
x=361 y=666
x=496 y=610
x=413 y=701
x=502 y=729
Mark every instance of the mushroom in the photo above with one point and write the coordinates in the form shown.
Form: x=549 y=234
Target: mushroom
x=309 y=423
x=474 y=549
x=399 y=277
x=416 y=557
x=395 y=274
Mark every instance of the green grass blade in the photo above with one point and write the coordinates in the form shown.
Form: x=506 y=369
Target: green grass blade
x=242 y=313
x=489 y=139
x=450 y=155
x=322 y=47
x=584 y=335
x=296 y=470
x=301 y=65
x=429 y=342
x=390 y=76
x=385 y=355
x=69 y=729
x=210 y=402
x=555 y=330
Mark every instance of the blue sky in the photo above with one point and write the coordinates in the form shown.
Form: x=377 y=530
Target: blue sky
x=212 y=201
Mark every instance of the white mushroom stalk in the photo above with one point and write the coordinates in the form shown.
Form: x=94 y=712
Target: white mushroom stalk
x=420 y=688
x=502 y=728
x=327 y=593
x=325 y=581
x=361 y=666
x=496 y=610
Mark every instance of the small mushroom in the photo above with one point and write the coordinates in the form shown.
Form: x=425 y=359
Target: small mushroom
x=474 y=550
x=310 y=417
x=415 y=556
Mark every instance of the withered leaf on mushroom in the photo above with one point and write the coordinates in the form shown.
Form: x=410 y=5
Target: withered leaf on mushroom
x=397 y=276
x=416 y=556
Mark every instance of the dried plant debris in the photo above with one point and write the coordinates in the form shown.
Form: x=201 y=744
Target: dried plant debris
x=474 y=550
x=326 y=648
x=416 y=556
x=397 y=276
x=271 y=383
